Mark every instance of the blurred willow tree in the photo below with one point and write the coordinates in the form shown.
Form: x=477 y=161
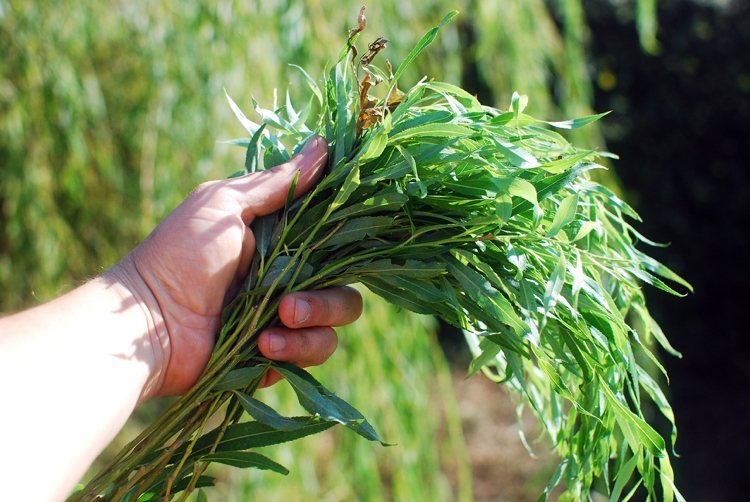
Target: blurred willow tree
x=110 y=113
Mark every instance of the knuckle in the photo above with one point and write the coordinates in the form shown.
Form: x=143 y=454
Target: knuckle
x=286 y=168
x=312 y=309
x=204 y=187
x=317 y=345
x=325 y=309
x=206 y=190
x=304 y=345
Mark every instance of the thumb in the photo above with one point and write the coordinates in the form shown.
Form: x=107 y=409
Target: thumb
x=264 y=192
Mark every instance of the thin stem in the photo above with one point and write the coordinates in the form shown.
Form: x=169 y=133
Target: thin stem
x=189 y=449
x=231 y=416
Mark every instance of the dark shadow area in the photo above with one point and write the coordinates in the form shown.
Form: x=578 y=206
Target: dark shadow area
x=681 y=125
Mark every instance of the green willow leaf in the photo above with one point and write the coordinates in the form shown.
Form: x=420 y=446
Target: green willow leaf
x=488 y=352
x=356 y=229
x=290 y=193
x=519 y=187
x=312 y=84
x=579 y=122
x=397 y=296
x=267 y=415
x=384 y=201
x=464 y=97
x=429 y=131
x=659 y=399
x=248 y=124
x=487 y=297
x=282 y=269
x=263 y=231
x=564 y=215
x=516 y=155
x=410 y=268
x=317 y=399
x=179 y=486
x=248 y=435
x=245 y=459
x=425 y=290
x=637 y=432
x=253 y=157
x=436 y=117
x=347 y=188
x=426 y=40
x=239 y=378
x=374 y=147
x=623 y=476
x=554 y=286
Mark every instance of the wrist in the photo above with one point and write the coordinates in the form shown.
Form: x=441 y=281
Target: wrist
x=138 y=300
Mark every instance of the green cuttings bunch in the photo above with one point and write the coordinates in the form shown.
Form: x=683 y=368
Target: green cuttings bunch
x=485 y=218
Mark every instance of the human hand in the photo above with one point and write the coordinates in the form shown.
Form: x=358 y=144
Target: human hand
x=188 y=268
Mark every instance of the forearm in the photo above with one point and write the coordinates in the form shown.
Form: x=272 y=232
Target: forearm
x=71 y=372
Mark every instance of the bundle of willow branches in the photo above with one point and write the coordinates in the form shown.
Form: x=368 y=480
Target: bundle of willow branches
x=482 y=217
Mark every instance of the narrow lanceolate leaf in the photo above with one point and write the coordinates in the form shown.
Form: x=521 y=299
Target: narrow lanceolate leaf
x=239 y=378
x=519 y=187
x=397 y=296
x=431 y=131
x=180 y=486
x=248 y=124
x=637 y=432
x=409 y=268
x=486 y=297
x=312 y=84
x=290 y=192
x=576 y=123
x=623 y=476
x=267 y=415
x=564 y=215
x=347 y=188
x=245 y=459
x=426 y=40
x=436 y=117
x=659 y=399
x=554 y=286
x=253 y=158
x=248 y=435
x=317 y=399
x=360 y=228
x=385 y=201
x=467 y=99
x=263 y=231
x=282 y=269
x=516 y=155
x=375 y=147
x=487 y=355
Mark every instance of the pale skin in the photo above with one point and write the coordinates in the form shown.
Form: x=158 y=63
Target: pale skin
x=72 y=370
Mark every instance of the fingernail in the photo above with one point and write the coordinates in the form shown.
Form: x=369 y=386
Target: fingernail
x=311 y=144
x=302 y=311
x=276 y=342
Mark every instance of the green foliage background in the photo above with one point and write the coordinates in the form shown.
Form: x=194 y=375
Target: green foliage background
x=110 y=113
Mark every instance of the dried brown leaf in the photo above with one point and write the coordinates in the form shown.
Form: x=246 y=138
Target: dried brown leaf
x=361 y=23
x=378 y=45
